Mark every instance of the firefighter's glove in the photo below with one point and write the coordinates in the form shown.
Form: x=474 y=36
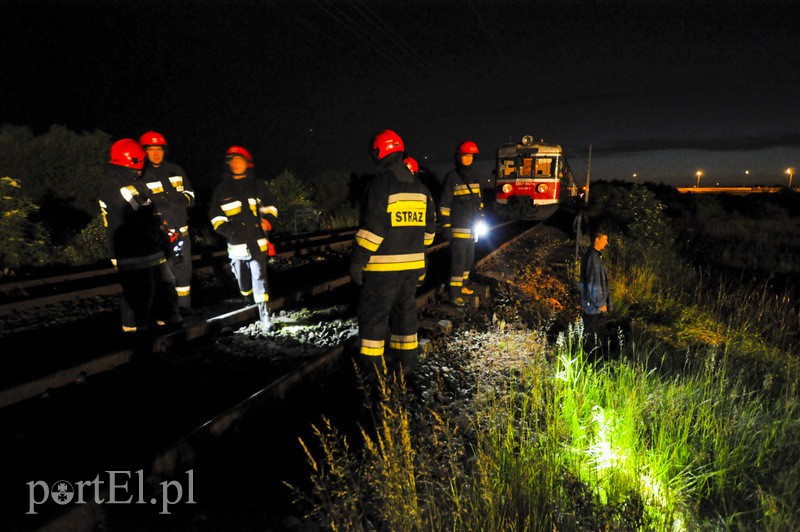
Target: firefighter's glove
x=357 y=273
x=265 y=225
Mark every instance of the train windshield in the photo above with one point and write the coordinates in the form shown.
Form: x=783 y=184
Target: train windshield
x=529 y=166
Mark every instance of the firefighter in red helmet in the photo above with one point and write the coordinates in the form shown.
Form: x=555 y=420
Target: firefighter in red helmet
x=136 y=242
x=412 y=165
x=243 y=211
x=172 y=195
x=389 y=256
x=460 y=208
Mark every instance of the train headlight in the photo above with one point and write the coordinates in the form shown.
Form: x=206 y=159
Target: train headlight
x=507 y=188
x=541 y=188
x=481 y=229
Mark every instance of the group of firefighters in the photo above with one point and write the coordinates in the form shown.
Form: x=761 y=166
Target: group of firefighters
x=144 y=202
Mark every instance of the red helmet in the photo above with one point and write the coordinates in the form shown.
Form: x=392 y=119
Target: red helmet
x=384 y=143
x=127 y=153
x=412 y=164
x=152 y=138
x=241 y=152
x=468 y=148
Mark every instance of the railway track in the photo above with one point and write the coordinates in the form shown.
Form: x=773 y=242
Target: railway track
x=22 y=295
x=166 y=460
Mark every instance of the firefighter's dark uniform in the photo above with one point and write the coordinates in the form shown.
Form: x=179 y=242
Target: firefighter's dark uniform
x=399 y=221
x=236 y=210
x=137 y=243
x=172 y=194
x=459 y=209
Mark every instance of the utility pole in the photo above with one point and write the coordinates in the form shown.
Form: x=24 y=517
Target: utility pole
x=588 y=173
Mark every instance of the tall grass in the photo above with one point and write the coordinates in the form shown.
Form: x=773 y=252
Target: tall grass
x=571 y=445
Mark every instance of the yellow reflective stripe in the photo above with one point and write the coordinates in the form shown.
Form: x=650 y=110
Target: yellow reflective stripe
x=183 y=290
x=253 y=206
x=271 y=209
x=372 y=347
x=406 y=257
x=466 y=275
x=218 y=220
x=129 y=193
x=125 y=328
x=176 y=180
x=445 y=211
x=422 y=277
x=262 y=244
x=403 y=337
x=429 y=238
x=462 y=232
x=232 y=208
x=456 y=281
x=155 y=187
x=368 y=240
x=407 y=196
x=238 y=250
x=395 y=266
x=184 y=229
x=403 y=346
x=260 y=298
x=470 y=188
x=246 y=293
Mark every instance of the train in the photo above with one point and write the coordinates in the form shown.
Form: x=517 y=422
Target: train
x=532 y=180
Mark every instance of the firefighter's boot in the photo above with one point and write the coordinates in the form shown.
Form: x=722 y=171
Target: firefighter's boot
x=263 y=316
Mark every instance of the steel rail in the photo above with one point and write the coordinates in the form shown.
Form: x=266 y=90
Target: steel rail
x=42 y=282
x=114 y=287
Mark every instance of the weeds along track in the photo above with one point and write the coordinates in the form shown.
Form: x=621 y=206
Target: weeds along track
x=156 y=404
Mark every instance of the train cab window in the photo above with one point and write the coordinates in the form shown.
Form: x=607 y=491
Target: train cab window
x=508 y=167
x=544 y=166
x=527 y=166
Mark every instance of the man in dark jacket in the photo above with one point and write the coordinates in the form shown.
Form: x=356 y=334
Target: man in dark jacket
x=172 y=195
x=460 y=208
x=136 y=242
x=399 y=220
x=595 y=296
x=243 y=211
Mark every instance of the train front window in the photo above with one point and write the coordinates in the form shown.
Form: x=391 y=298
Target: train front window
x=544 y=166
x=507 y=167
x=526 y=168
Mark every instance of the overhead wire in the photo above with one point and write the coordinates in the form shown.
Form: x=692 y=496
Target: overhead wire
x=489 y=34
x=359 y=32
x=381 y=25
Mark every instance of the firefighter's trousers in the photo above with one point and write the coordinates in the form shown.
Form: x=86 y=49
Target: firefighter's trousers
x=180 y=264
x=148 y=296
x=251 y=274
x=462 y=255
x=387 y=311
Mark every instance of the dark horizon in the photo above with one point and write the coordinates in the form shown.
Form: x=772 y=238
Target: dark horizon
x=657 y=89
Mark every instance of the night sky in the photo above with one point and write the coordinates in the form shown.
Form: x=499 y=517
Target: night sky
x=660 y=89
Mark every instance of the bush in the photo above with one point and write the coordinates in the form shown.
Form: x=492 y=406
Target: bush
x=24 y=242
x=293 y=199
x=88 y=247
x=61 y=171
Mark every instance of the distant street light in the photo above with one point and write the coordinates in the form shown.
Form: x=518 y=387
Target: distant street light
x=747 y=173
x=698 y=174
x=634 y=178
x=790 y=171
